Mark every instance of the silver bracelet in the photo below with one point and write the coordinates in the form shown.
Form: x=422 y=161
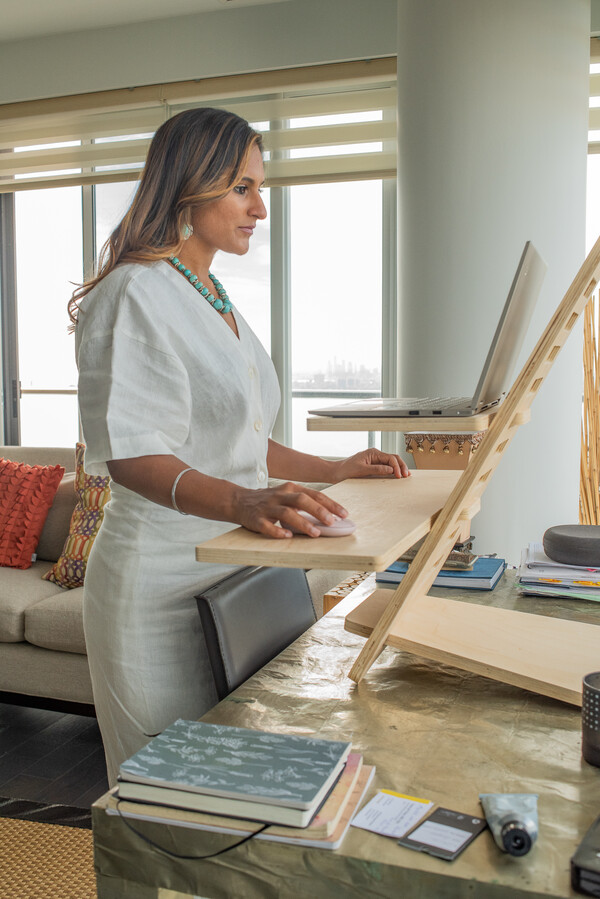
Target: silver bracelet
x=174 y=488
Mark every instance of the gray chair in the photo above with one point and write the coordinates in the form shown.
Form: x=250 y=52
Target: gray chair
x=249 y=617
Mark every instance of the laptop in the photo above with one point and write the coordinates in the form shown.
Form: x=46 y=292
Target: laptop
x=494 y=380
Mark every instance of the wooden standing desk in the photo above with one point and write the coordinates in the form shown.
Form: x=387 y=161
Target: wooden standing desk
x=432 y=731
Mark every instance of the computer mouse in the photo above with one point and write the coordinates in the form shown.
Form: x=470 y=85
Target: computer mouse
x=341 y=527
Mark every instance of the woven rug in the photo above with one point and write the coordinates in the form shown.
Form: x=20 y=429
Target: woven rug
x=44 y=861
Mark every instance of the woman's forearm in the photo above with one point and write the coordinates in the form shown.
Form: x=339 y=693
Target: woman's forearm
x=289 y=464
x=286 y=463
x=153 y=477
x=270 y=511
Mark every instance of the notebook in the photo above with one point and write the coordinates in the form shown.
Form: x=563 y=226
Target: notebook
x=280 y=778
x=494 y=380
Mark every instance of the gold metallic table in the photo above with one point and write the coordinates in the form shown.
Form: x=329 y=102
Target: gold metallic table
x=432 y=731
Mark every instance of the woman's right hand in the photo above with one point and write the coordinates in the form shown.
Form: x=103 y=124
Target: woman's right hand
x=273 y=510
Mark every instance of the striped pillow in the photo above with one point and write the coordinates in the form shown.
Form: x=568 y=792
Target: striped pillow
x=93 y=492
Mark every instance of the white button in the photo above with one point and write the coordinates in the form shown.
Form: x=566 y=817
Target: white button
x=261 y=476
x=257 y=425
x=251 y=372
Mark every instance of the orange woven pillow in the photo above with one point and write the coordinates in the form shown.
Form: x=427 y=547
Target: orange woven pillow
x=26 y=494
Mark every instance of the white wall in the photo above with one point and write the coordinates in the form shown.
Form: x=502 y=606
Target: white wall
x=246 y=39
x=493 y=142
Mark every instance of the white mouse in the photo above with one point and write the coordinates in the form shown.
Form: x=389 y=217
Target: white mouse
x=340 y=527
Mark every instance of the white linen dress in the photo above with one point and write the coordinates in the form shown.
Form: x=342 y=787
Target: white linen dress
x=160 y=372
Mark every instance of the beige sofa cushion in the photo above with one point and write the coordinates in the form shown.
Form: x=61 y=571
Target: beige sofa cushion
x=40 y=455
x=20 y=590
x=39 y=672
x=56 y=527
x=57 y=622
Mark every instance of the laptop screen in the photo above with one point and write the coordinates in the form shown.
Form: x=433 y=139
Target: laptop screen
x=506 y=345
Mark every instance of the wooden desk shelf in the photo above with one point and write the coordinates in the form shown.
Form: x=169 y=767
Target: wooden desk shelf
x=390 y=516
x=418 y=423
x=503 y=644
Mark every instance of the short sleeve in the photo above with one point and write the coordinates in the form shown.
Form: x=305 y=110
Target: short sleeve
x=134 y=396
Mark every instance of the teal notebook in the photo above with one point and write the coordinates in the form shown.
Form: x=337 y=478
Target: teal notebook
x=239 y=763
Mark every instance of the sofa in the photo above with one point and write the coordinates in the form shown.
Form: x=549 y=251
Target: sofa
x=42 y=646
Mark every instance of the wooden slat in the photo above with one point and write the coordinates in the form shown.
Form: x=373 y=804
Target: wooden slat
x=547 y=655
x=476 y=476
x=390 y=515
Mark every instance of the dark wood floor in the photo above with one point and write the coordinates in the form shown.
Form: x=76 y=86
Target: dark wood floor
x=50 y=756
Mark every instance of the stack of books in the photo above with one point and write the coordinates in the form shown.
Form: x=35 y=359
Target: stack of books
x=460 y=556
x=483 y=575
x=221 y=778
x=540 y=576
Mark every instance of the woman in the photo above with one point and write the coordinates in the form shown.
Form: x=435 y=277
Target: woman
x=177 y=400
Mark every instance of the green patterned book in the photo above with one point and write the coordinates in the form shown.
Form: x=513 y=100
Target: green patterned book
x=234 y=770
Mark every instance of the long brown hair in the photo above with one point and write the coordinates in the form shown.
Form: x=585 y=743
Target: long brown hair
x=195 y=157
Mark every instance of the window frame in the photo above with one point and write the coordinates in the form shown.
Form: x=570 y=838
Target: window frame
x=11 y=394
x=281 y=339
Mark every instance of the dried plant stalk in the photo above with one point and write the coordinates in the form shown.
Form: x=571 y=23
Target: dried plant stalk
x=589 y=476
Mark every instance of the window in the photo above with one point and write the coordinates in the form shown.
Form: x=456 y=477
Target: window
x=329 y=136
x=49 y=261
x=593 y=172
x=593 y=204
x=335 y=270
x=336 y=304
x=111 y=201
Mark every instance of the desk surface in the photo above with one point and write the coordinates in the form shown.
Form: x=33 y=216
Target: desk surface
x=390 y=515
x=432 y=731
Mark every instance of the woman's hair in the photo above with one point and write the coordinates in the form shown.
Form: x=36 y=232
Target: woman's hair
x=194 y=158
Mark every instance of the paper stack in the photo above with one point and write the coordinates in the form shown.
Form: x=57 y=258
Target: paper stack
x=540 y=576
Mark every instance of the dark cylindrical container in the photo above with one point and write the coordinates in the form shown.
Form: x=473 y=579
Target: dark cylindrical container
x=590 y=719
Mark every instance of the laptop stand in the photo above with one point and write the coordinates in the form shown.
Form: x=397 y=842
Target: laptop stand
x=538 y=653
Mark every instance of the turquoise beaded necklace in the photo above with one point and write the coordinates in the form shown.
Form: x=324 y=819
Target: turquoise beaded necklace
x=221 y=302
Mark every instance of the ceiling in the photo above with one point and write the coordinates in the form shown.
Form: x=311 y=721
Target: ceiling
x=22 y=19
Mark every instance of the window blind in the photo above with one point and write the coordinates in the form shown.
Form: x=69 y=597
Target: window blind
x=319 y=123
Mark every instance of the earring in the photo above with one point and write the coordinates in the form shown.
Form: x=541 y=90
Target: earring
x=186 y=232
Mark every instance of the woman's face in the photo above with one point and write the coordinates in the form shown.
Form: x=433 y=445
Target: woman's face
x=228 y=224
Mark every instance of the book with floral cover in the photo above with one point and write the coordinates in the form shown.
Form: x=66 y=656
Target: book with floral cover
x=281 y=778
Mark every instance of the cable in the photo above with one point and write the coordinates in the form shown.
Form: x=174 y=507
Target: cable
x=187 y=857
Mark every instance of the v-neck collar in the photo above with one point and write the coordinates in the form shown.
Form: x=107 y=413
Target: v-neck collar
x=237 y=316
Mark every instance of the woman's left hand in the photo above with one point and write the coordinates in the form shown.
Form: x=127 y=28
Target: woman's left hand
x=371 y=463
